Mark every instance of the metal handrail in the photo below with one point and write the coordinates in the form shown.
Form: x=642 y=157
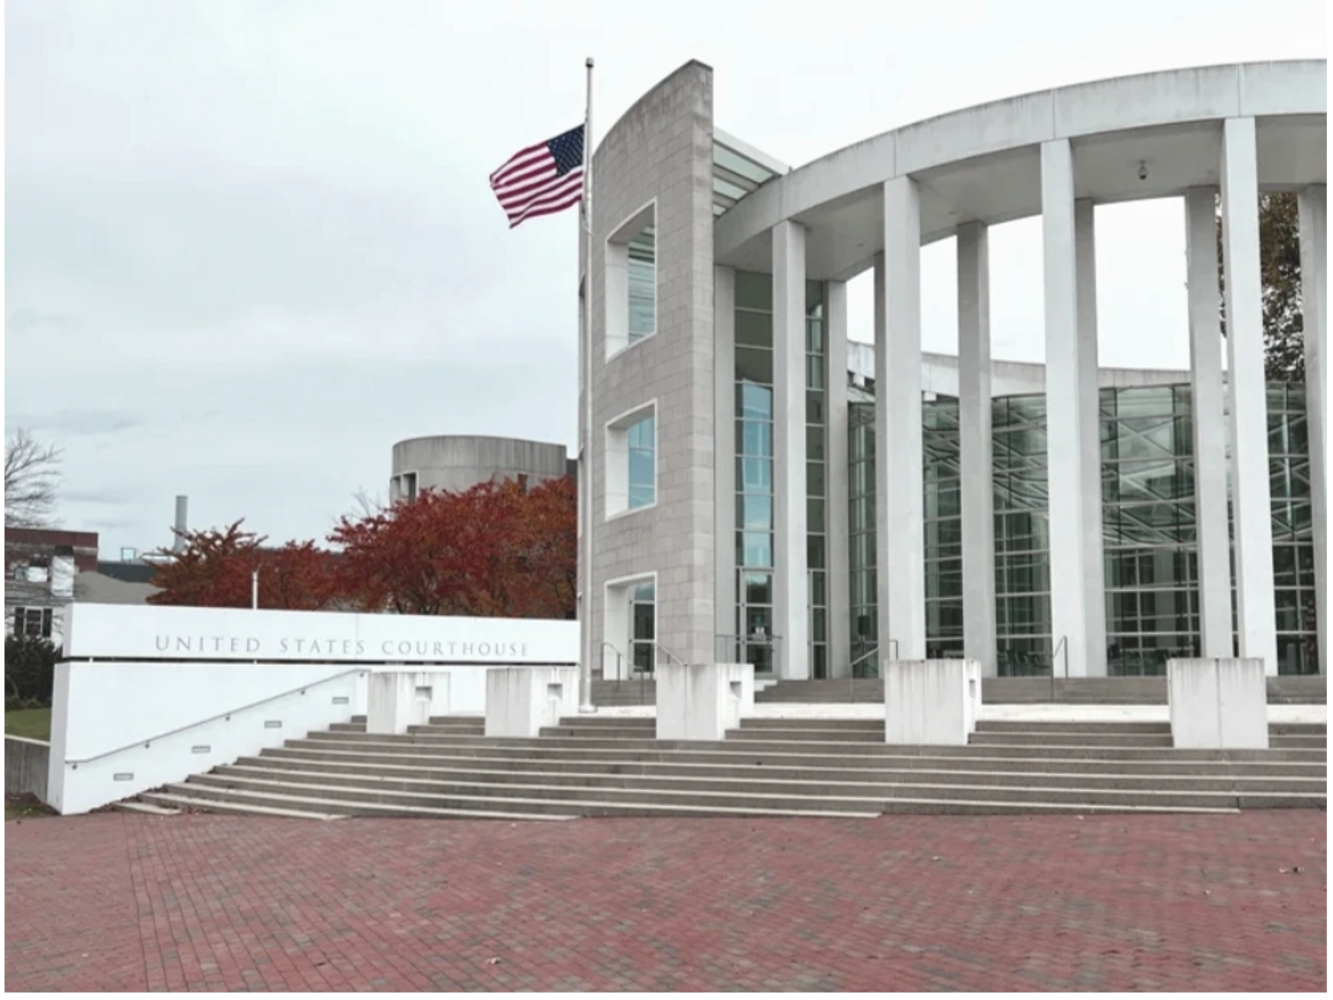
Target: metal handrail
x=668 y=652
x=619 y=659
x=738 y=639
x=851 y=668
x=221 y=715
x=1063 y=644
x=859 y=659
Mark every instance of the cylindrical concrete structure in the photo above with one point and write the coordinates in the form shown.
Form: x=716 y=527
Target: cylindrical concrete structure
x=458 y=462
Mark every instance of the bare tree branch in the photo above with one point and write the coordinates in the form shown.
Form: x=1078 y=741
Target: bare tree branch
x=32 y=476
x=365 y=504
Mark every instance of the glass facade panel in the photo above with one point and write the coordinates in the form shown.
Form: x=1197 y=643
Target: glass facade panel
x=643 y=624
x=1149 y=530
x=754 y=373
x=642 y=285
x=642 y=440
x=861 y=537
x=816 y=378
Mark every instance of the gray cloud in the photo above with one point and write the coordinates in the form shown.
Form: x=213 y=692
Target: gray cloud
x=250 y=245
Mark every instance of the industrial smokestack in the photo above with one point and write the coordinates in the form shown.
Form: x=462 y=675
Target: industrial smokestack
x=182 y=522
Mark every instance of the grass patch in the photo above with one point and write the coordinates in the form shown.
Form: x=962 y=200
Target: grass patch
x=25 y=807
x=34 y=723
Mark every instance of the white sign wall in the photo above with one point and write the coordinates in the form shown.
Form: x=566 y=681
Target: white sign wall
x=147 y=632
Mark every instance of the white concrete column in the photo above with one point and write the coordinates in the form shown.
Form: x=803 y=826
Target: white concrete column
x=1065 y=438
x=724 y=457
x=1247 y=394
x=974 y=446
x=1313 y=207
x=791 y=600
x=837 y=536
x=899 y=488
x=1090 y=425
x=1210 y=433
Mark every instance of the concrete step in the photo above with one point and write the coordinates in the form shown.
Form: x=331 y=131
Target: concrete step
x=388 y=802
x=441 y=729
x=812 y=746
x=630 y=802
x=1037 y=690
x=737 y=755
x=183 y=796
x=280 y=802
x=147 y=808
x=794 y=779
x=1117 y=728
x=1280 y=742
x=608 y=721
x=637 y=732
x=1088 y=738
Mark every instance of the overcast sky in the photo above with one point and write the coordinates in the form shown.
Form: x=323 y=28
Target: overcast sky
x=250 y=244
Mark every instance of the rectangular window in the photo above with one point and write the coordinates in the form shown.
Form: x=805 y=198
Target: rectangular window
x=642 y=463
x=643 y=285
x=33 y=622
x=631 y=461
x=630 y=289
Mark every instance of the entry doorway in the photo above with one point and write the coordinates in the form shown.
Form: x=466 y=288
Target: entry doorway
x=643 y=626
x=629 y=639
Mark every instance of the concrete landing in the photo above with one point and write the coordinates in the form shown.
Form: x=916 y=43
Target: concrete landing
x=1317 y=714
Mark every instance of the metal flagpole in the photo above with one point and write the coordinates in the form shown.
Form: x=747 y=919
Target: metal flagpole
x=585 y=671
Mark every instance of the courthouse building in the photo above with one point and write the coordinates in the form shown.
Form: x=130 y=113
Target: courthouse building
x=765 y=491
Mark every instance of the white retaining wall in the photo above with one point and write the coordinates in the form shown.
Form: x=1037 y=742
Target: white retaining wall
x=200 y=687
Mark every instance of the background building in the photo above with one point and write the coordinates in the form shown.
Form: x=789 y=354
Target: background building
x=46 y=569
x=752 y=502
x=458 y=462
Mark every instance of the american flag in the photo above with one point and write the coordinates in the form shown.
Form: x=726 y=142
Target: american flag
x=541 y=179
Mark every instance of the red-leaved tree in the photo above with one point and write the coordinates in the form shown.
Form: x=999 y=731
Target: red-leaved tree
x=495 y=550
x=214 y=567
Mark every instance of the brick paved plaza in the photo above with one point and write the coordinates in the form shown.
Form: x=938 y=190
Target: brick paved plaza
x=118 y=902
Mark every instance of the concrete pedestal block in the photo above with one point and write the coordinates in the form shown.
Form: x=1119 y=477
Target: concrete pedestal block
x=701 y=701
x=1218 y=704
x=520 y=701
x=396 y=699
x=931 y=702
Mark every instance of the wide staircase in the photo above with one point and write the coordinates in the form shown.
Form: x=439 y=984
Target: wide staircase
x=1293 y=690
x=609 y=766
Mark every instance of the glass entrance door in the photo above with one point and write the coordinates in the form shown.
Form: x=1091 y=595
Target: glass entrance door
x=754 y=622
x=643 y=627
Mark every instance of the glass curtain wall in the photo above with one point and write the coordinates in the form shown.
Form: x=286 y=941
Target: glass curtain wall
x=944 y=528
x=1149 y=527
x=861 y=530
x=1148 y=513
x=754 y=471
x=1022 y=536
x=816 y=476
x=1293 y=530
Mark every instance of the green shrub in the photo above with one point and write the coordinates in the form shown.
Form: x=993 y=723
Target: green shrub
x=30 y=668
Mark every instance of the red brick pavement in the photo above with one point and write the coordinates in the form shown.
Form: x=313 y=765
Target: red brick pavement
x=119 y=902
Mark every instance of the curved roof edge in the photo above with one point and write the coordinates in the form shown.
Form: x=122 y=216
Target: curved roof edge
x=479 y=437
x=1116 y=104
